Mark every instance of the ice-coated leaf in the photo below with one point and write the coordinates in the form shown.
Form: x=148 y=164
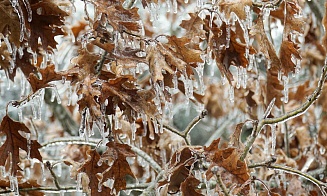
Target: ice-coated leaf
x=14 y=142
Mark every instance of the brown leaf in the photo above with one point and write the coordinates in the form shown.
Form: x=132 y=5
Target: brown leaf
x=47 y=19
x=189 y=185
x=92 y=167
x=193 y=27
x=48 y=74
x=274 y=86
x=235 y=6
x=9 y=22
x=117 y=153
x=14 y=142
x=229 y=160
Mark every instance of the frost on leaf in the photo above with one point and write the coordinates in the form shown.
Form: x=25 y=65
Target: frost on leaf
x=14 y=142
x=92 y=167
x=116 y=154
x=230 y=166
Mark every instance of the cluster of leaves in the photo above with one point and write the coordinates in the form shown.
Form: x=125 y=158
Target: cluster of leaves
x=122 y=78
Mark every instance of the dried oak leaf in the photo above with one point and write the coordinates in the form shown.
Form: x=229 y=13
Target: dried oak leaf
x=194 y=27
x=9 y=22
x=234 y=54
x=124 y=93
x=47 y=19
x=117 y=153
x=234 y=6
x=229 y=159
x=289 y=48
x=119 y=18
x=92 y=168
x=179 y=168
x=14 y=142
x=48 y=74
x=189 y=185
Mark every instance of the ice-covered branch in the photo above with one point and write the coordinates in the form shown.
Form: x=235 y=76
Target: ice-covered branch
x=269 y=4
x=287 y=116
x=290 y=170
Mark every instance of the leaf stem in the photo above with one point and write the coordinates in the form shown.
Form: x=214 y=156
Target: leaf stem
x=287 y=116
x=48 y=164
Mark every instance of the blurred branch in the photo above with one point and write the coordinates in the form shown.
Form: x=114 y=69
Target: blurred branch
x=287 y=116
x=61 y=113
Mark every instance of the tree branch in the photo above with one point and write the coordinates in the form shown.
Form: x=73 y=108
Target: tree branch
x=321 y=185
x=287 y=116
x=268 y=4
x=48 y=164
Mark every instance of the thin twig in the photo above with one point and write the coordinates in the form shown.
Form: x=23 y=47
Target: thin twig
x=321 y=185
x=94 y=143
x=268 y=4
x=73 y=188
x=287 y=116
x=222 y=185
x=55 y=180
x=99 y=65
x=186 y=133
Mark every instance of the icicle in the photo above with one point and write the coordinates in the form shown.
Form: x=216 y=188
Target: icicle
x=279 y=75
x=82 y=127
x=228 y=29
x=29 y=10
x=57 y=95
x=59 y=169
x=161 y=126
x=155 y=125
x=100 y=186
x=273 y=138
x=248 y=19
x=199 y=3
x=6 y=40
x=79 y=182
x=185 y=1
x=28 y=138
x=163 y=156
x=238 y=80
x=133 y=129
x=175 y=6
x=223 y=79
x=285 y=79
x=168 y=4
x=34 y=110
x=175 y=81
x=20 y=114
x=145 y=124
x=153 y=12
x=266 y=146
x=43 y=172
x=14 y=184
x=211 y=19
x=53 y=95
x=244 y=78
x=266 y=13
x=268 y=64
x=231 y=93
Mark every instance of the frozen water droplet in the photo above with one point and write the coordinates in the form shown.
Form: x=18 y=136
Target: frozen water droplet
x=168 y=4
x=28 y=138
x=231 y=93
x=175 y=6
x=79 y=182
x=273 y=138
x=285 y=79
